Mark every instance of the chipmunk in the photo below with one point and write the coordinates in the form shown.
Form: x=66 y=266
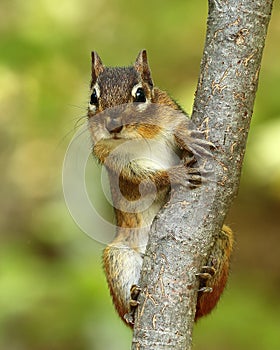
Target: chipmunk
x=147 y=144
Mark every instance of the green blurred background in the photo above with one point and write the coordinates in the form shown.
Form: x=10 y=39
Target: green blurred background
x=53 y=294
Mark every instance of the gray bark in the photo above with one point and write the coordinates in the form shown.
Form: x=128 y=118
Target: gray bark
x=183 y=231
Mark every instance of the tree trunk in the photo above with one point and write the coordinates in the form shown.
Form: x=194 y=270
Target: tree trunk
x=183 y=231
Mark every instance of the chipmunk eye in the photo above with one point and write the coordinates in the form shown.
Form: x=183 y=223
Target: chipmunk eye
x=140 y=95
x=94 y=98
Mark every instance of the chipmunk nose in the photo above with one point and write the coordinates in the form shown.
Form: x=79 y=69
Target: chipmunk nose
x=114 y=125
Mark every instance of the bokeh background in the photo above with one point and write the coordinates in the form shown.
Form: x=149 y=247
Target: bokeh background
x=53 y=294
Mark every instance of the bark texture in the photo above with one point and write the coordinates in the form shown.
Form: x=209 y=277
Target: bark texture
x=183 y=231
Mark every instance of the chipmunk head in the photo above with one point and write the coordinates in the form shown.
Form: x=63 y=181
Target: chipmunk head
x=125 y=106
x=119 y=85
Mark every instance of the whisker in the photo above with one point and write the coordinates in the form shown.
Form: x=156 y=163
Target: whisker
x=78 y=107
x=73 y=130
x=76 y=125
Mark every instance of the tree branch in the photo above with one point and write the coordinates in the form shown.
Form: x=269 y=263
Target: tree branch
x=184 y=230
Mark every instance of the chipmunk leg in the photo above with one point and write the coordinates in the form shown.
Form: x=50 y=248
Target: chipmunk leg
x=213 y=277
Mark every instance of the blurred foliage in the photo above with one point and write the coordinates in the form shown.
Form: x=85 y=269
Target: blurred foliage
x=53 y=293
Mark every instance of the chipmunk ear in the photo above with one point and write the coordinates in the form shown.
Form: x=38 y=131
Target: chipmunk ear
x=142 y=66
x=97 y=66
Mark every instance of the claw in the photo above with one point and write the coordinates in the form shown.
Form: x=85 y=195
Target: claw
x=205 y=290
x=209 y=269
x=134 y=291
x=207 y=272
x=204 y=275
x=129 y=318
x=133 y=303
